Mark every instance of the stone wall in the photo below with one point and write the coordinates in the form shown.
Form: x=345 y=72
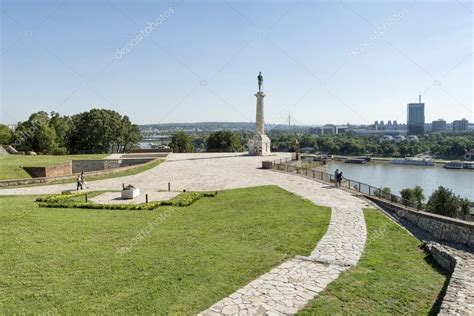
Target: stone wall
x=441 y=227
x=105 y=164
x=59 y=170
x=150 y=150
x=459 y=297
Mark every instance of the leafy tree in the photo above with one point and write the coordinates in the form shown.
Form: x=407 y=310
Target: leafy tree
x=6 y=135
x=35 y=134
x=62 y=126
x=444 y=202
x=102 y=131
x=224 y=141
x=414 y=195
x=129 y=135
x=181 y=143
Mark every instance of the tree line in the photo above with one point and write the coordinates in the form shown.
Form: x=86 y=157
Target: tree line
x=94 y=131
x=442 y=201
x=437 y=145
x=220 y=141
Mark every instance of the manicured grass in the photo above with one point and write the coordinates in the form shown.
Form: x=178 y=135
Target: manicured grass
x=394 y=276
x=187 y=258
x=11 y=165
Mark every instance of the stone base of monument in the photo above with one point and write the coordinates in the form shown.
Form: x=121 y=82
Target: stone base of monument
x=130 y=193
x=259 y=145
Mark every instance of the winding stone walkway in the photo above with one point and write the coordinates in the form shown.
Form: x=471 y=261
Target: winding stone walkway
x=288 y=287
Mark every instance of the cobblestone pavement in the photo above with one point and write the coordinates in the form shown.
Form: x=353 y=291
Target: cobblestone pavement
x=291 y=285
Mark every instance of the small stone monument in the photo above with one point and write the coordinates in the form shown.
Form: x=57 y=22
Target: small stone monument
x=130 y=192
x=260 y=144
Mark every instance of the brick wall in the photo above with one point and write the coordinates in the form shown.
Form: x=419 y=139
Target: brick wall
x=59 y=170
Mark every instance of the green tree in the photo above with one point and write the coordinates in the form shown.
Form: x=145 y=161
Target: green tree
x=6 y=135
x=224 y=141
x=181 y=143
x=414 y=195
x=444 y=202
x=102 y=131
x=62 y=126
x=35 y=134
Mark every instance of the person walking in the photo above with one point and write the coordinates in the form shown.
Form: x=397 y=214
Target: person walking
x=79 y=183
x=83 y=180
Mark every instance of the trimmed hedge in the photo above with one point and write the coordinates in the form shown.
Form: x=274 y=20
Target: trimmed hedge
x=182 y=200
x=59 y=197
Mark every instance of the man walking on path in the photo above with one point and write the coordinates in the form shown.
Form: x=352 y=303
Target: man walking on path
x=83 y=180
x=79 y=182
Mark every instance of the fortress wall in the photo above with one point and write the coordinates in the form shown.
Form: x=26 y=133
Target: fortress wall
x=440 y=227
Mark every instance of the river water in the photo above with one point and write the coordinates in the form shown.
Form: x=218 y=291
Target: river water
x=398 y=177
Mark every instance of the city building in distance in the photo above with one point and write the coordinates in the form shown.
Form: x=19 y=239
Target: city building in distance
x=438 y=125
x=416 y=118
x=461 y=125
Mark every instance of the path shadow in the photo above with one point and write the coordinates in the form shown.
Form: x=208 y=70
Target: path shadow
x=435 y=308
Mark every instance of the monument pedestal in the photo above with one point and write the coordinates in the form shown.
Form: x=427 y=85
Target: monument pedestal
x=260 y=144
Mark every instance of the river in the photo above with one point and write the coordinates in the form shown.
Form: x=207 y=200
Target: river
x=398 y=177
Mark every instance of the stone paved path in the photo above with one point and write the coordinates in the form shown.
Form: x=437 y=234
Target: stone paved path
x=291 y=285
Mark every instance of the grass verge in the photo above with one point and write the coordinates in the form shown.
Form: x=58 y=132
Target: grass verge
x=394 y=276
x=184 y=259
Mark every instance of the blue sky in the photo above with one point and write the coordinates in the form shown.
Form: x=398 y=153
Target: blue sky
x=324 y=62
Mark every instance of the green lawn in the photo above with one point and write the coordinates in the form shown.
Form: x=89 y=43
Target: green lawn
x=394 y=276
x=67 y=261
x=11 y=165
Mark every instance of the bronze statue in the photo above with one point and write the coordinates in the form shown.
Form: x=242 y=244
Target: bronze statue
x=260 y=81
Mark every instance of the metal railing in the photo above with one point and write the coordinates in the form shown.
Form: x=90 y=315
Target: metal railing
x=360 y=187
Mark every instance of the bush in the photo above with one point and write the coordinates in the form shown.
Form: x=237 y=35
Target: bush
x=59 y=151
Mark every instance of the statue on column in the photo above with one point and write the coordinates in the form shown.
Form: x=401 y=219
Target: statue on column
x=260 y=81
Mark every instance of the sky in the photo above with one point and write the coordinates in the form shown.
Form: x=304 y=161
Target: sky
x=192 y=61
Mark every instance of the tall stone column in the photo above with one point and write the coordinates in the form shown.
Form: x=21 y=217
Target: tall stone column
x=260 y=144
x=260 y=129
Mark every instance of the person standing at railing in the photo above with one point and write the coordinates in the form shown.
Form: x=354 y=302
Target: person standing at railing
x=336 y=174
x=339 y=179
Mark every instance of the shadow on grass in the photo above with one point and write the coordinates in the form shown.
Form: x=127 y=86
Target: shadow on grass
x=439 y=300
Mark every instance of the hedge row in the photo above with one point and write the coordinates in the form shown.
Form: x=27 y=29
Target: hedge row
x=183 y=199
x=59 y=197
